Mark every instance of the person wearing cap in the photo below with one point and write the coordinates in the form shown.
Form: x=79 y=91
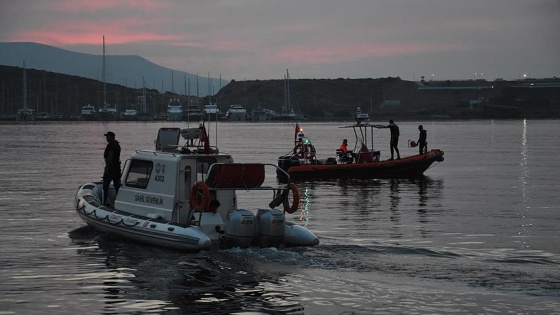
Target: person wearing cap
x=112 y=170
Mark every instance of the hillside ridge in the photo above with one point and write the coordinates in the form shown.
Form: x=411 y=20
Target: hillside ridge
x=321 y=99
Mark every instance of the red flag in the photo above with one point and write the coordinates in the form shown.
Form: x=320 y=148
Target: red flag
x=298 y=130
x=204 y=138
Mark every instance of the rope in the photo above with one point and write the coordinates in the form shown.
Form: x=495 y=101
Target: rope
x=106 y=218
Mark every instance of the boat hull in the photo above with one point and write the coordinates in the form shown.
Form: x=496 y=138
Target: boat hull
x=237 y=116
x=408 y=167
x=271 y=231
x=260 y=116
x=88 y=117
x=108 y=116
x=193 y=117
x=173 y=116
x=144 y=117
x=134 y=227
x=130 y=118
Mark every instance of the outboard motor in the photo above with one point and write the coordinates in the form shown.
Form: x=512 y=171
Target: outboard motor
x=239 y=229
x=270 y=227
x=285 y=162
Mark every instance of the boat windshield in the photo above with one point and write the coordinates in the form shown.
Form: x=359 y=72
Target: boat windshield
x=139 y=173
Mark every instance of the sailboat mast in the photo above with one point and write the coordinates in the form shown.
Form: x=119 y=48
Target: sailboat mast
x=209 y=92
x=189 y=88
x=24 y=87
x=288 y=105
x=144 y=106
x=285 y=107
x=103 y=75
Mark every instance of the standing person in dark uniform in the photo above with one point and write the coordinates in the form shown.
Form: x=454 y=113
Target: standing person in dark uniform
x=112 y=171
x=422 y=144
x=394 y=142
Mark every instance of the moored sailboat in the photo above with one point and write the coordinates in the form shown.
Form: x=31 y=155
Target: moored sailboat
x=25 y=113
x=289 y=112
x=106 y=111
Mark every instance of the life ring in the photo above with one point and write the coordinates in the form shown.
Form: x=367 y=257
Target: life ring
x=200 y=188
x=295 y=202
x=299 y=150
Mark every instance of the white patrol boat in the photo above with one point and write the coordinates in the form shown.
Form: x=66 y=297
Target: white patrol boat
x=184 y=197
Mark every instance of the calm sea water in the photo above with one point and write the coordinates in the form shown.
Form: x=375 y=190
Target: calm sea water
x=479 y=234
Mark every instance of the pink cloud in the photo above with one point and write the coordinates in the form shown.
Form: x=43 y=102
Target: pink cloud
x=333 y=53
x=88 y=32
x=53 y=37
x=185 y=43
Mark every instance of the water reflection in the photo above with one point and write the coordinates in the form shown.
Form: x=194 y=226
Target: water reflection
x=420 y=194
x=138 y=278
x=394 y=198
x=394 y=208
x=425 y=191
x=524 y=163
x=305 y=214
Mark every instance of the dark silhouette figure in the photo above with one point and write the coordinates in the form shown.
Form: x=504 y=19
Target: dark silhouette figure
x=422 y=144
x=112 y=170
x=394 y=142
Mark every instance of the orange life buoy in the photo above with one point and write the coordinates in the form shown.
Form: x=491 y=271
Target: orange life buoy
x=295 y=202
x=199 y=189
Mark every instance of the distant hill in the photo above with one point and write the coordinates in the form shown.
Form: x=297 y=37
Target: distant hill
x=64 y=95
x=321 y=99
x=123 y=70
x=393 y=98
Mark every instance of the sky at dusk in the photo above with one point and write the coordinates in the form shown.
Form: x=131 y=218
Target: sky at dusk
x=260 y=39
